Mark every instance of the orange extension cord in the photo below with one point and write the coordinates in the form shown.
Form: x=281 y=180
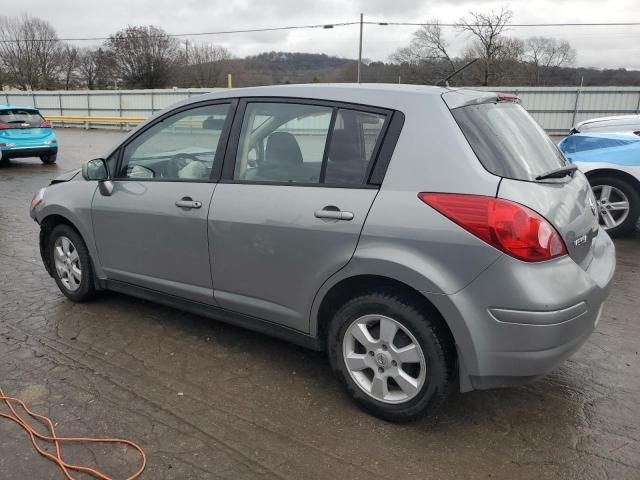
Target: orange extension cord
x=57 y=458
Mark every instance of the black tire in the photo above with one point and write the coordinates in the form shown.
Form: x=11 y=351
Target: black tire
x=632 y=194
x=48 y=159
x=431 y=334
x=4 y=161
x=86 y=289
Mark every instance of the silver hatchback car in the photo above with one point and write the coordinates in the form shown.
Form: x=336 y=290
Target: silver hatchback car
x=427 y=238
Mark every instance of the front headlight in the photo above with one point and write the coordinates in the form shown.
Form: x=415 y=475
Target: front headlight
x=37 y=199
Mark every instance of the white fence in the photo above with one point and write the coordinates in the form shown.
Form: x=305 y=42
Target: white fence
x=557 y=109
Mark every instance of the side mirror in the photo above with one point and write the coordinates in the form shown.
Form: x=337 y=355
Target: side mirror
x=95 y=169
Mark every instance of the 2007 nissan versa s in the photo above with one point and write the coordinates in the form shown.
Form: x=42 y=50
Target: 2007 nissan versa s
x=428 y=238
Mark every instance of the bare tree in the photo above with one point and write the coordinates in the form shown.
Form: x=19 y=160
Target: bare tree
x=69 y=63
x=95 y=68
x=205 y=64
x=144 y=56
x=427 y=44
x=30 y=52
x=543 y=53
x=487 y=28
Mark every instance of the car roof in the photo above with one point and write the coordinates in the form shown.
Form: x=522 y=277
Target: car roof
x=8 y=106
x=385 y=95
x=610 y=119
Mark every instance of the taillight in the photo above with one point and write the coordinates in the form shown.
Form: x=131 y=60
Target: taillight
x=508 y=226
x=45 y=124
x=4 y=126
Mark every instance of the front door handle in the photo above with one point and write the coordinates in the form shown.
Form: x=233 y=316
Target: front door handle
x=187 y=202
x=333 y=214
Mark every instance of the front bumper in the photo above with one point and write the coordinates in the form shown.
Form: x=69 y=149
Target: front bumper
x=519 y=320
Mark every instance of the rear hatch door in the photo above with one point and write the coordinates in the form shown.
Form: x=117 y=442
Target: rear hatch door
x=510 y=144
x=23 y=126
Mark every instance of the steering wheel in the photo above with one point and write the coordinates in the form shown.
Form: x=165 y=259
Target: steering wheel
x=178 y=162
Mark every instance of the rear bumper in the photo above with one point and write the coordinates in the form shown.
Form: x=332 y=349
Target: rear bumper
x=23 y=152
x=519 y=320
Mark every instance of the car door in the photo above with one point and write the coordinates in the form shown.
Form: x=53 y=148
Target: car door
x=291 y=205
x=151 y=231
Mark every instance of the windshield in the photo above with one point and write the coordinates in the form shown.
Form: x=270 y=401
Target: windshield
x=508 y=141
x=20 y=118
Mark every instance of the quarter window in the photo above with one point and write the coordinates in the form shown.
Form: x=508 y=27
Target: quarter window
x=181 y=147
x=355 y=136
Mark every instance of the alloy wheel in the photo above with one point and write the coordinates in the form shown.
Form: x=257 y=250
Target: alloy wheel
x=67 y=263
x=613 y=205
x=384 y=359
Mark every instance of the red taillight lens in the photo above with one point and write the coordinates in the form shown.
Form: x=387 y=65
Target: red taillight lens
x=508 y=226
x=4 y=126
x=45 y=124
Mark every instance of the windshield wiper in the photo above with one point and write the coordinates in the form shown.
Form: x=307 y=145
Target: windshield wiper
x=558 y=172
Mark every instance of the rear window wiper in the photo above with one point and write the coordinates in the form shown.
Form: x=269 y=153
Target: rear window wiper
x=558 y=172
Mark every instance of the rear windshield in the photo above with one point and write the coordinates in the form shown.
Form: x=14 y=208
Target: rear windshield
x=508 y=141
x=21 y=118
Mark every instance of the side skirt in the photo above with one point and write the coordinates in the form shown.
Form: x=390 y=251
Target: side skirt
x=216 y=313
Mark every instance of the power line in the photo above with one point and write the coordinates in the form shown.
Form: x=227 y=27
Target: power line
x=327 y=26
x=427 y=24
x=196 y=34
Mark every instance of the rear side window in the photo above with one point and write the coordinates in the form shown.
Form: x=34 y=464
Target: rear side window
x=20 y=118
x=282 y=142
x=508 y=141
x=307 y=144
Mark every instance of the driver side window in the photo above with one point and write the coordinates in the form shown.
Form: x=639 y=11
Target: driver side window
x=181 y=147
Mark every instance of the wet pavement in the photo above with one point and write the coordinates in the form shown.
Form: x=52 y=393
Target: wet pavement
x=207 y=400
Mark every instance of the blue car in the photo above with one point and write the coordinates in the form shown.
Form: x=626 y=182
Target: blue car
x=24 y=133
x=611 y=162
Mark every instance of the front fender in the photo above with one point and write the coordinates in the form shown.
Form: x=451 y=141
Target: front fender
x=72 y=201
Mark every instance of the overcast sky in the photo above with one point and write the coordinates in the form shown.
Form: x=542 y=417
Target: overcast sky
x=596 y=46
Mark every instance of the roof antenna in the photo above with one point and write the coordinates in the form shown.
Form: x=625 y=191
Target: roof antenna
x=445 y=81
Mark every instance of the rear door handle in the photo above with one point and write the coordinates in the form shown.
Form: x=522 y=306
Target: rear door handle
x=333 y=214
x=187 y=202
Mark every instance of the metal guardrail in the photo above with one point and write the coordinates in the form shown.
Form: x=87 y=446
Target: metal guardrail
x=87 y=122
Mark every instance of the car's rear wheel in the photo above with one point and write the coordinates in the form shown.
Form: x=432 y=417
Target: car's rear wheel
x=49 y=158
x=71 y=264
x=395 y=358
x=618 y=204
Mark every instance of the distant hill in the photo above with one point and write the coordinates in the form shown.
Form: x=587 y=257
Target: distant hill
x=273 y=68
x=285 y=67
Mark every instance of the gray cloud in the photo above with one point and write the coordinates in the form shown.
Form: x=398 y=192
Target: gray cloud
x=596 y=46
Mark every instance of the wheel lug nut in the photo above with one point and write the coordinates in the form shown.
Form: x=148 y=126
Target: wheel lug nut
x=371 y=353
x=384 y=347
x=381 y=370
x=394 y=363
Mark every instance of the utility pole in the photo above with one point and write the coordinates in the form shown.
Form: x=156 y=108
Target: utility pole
x=360 y=48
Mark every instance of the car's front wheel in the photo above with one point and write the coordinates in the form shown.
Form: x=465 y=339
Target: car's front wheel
x=71 y=264
x=618 y=204
x=395 y=358
x=49 y=158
